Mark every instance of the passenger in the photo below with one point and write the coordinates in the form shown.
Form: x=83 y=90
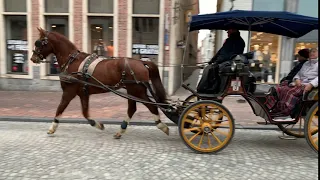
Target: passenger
x=303 y=56
x=286 y=96
x=234 y=44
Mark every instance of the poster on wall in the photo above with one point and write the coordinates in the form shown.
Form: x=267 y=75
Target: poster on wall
x=145 y=49
x=18 y=52
x=17 y=45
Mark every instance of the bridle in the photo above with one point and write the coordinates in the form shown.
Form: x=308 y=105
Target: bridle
x=40 y=43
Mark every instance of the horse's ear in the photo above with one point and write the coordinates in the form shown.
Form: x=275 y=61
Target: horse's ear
x=41 y=31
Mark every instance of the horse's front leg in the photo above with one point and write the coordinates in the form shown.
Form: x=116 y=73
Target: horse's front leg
x=65 y=100
x=85 y=111
x=132 y=108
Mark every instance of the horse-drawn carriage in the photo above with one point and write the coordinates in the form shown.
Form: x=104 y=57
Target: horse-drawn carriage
x=205 y=125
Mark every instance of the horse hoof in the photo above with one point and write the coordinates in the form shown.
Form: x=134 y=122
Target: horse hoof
x=117 y=136
x=50 y=132
x=166 y=131
x=101 y=126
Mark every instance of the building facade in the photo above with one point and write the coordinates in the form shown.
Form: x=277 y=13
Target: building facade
x=207 y=47
x=279 y=51
x=149 y=29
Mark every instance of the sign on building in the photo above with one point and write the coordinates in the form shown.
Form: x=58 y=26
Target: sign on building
x=145 y=49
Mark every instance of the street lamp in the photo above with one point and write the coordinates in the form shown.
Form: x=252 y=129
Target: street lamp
x=232 y=5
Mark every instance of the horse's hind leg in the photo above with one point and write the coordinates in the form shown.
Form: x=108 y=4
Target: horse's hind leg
x=85 y=111
x=132 y=108
x=67 y=96
x=142 y=93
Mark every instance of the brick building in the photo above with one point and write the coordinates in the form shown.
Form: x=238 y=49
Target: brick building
x=121 y=28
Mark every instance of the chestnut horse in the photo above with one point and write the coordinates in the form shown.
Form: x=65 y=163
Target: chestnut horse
x=109 y=71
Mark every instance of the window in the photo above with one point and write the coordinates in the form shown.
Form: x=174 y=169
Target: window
x=100 y=6
x=146 y=6
x=101 y=35
x=16 y=44
x=15 y=5
x=58 y=24
x=145 y=38
x=56 y=6
x=266 y=56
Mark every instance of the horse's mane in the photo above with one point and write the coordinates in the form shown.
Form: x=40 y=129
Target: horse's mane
x=58 y=36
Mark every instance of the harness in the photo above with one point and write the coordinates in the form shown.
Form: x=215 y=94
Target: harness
x=86 y=68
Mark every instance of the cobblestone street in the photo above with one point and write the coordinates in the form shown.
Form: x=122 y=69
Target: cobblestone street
x=82 y=152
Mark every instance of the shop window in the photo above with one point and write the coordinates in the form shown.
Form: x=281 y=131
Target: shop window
x=57 y=6
x=266 y=57
x=100 y=6
x=145 y=38
x=146 y=6
x=15 y=5
x=101 y=35
x=56 y=24
x=16 y=44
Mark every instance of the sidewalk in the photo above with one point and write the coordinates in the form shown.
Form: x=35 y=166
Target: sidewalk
x=41 y=106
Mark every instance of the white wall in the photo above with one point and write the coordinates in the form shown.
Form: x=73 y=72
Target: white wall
x=207 y=47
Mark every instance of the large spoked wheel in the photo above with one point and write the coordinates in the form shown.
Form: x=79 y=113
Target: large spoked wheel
x=206 y=126
x=311 y=127
x=296 y=130
x=190 y=99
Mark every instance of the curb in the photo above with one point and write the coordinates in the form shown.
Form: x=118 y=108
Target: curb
x=117 y=122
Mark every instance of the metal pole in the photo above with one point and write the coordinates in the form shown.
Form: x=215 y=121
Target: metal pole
x=184 y=53
x=249 y=38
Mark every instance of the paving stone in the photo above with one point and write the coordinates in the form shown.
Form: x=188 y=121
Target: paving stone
x=82 y=152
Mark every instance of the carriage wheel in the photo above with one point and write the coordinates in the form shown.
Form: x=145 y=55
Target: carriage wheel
x=311 y=126
x=200 y=127
x=297 y=130
x=190 y=99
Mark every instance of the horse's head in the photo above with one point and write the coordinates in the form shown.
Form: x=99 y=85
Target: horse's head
x=43 y=47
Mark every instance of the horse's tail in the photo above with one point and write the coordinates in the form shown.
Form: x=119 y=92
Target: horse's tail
x=158 y=87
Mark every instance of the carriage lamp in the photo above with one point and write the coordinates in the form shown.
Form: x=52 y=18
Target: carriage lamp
x=233 y=66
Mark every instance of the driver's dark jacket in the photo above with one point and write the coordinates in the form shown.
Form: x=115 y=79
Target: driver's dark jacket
x=233 y=45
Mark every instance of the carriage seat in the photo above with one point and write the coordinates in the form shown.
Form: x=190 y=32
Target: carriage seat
x=311 y=95
x=238 y=65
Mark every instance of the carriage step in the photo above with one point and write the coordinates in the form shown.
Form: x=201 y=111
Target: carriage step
x=284 y=121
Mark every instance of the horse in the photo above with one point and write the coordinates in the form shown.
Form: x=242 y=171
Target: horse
x=109 y=71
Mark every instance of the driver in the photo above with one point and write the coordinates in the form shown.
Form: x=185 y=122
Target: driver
x=234 y=44
x=210 y=81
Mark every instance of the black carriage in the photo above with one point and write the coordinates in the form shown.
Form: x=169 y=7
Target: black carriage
x=204 y=115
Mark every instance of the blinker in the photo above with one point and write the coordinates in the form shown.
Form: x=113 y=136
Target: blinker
x=38 y=43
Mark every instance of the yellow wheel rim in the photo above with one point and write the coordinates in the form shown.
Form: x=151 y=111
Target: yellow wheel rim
x=193 y=99
x=207 y=133
x=190 y=99
x=313 y=129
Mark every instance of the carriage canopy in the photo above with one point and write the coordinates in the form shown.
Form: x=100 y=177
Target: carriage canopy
x=274 y=22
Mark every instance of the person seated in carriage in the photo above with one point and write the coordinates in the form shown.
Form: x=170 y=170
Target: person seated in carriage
x=284 y=97
x=233 y=45
x=303 y=56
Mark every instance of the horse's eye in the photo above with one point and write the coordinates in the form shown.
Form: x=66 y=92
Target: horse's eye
x=38 y=44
